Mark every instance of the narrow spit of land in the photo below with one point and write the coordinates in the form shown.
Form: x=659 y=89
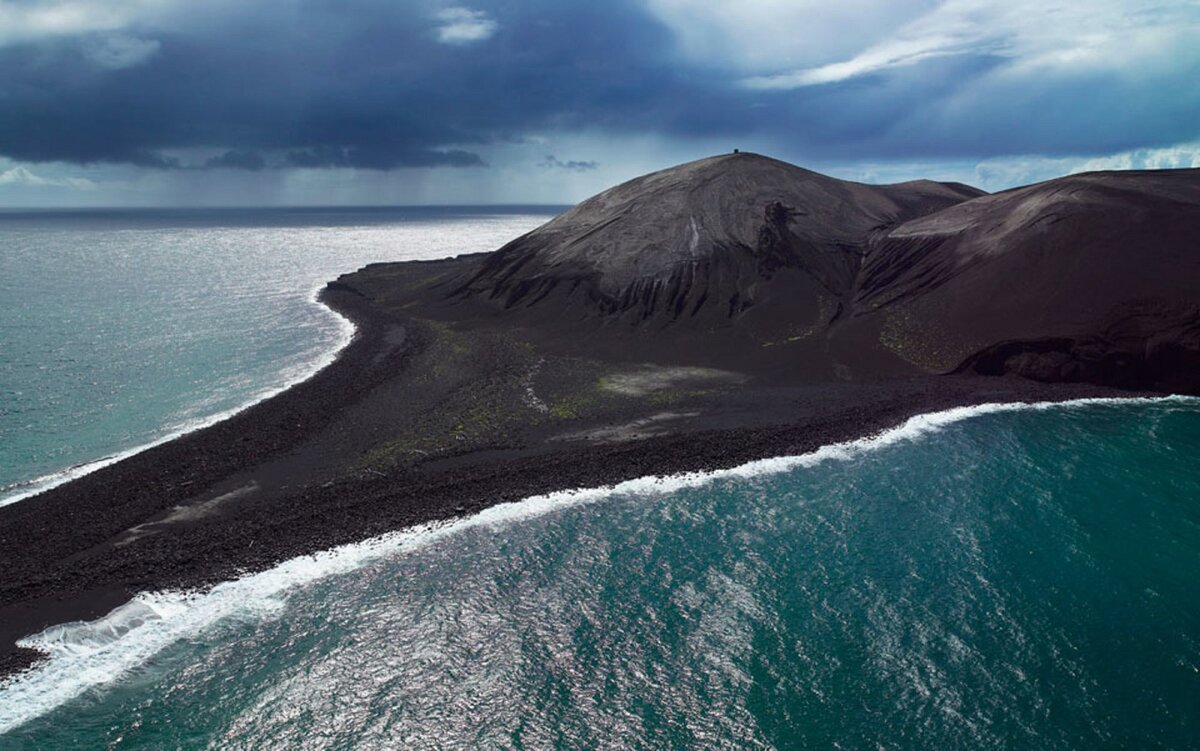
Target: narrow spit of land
x=417 y=420
x=696 y=318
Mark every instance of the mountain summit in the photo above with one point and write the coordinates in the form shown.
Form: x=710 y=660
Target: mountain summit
x=708 y=239
x=748 y=263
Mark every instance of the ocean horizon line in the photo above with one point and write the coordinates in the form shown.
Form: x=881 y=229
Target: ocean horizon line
x=298 y=207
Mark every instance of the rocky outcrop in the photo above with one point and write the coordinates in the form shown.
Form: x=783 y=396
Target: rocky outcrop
x=1142 y=346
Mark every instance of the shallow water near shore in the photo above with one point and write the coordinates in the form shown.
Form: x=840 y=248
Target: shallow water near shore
x=119 y=329
x=996 y=577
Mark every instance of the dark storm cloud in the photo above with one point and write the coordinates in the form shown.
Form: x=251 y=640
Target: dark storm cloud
x=573 y=165
x=381 y=158
x=369 y=86
x=382 y=85
x=247 y=160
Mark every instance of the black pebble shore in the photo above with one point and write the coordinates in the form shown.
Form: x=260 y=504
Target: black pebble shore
x=69 y=554
x=801 y=311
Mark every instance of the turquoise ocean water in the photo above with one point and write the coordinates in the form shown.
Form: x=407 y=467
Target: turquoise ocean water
x=121 y=328
x=987 y=578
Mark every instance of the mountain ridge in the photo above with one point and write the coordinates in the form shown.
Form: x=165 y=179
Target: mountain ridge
x=748 y=263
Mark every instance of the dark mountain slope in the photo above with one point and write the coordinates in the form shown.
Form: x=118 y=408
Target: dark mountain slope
x=648 y=232
x=1090 y=277
x=741 y=248
x=750 y=264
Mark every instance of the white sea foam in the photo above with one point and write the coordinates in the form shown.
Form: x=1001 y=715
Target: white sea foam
x=345 y=333
x=85 y=655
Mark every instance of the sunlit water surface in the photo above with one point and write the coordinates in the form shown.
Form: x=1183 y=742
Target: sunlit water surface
x=121 y=328
x=1018 y=579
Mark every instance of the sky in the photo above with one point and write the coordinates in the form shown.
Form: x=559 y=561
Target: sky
x=334 y=102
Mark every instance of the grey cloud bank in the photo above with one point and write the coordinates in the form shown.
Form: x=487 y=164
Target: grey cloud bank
x=131 y=90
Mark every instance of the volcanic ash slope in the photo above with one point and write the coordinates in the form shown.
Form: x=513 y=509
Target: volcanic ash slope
x=752 y=264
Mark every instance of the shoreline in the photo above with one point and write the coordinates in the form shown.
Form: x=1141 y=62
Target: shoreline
x=77 y=552
x=173 y=615
x=93 y=602
x=26 y=489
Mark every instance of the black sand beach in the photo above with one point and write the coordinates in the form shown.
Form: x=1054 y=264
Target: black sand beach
x=286 y=477
x=726 y=310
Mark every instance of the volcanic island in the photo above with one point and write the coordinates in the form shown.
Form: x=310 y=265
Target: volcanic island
x=721 y=311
